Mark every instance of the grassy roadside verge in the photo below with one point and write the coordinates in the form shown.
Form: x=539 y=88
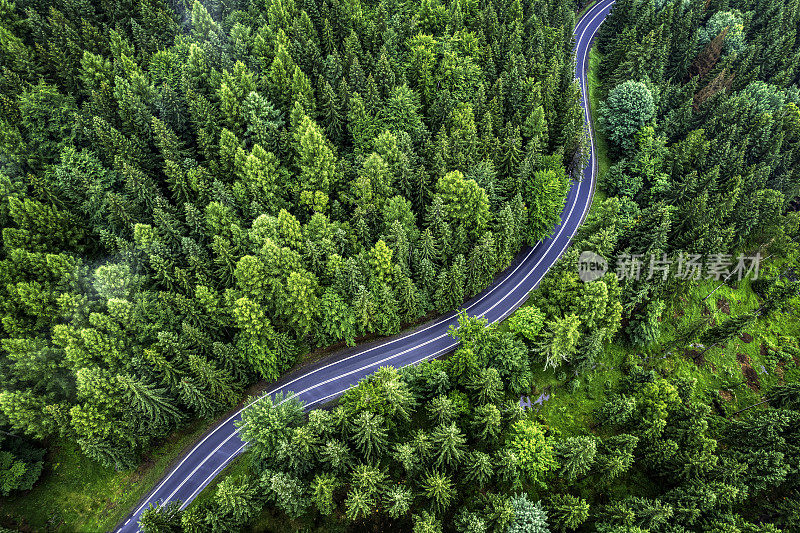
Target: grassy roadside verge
x=594 y=89
x=78 y=494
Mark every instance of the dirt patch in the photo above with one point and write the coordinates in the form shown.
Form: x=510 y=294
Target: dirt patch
x=751 y=377
x=779 y=372
x=679 y=313
x=705 y=311
x=698 y=357
x=726 y=395
x=764 y=350
x=746 y=338
x=723 y=306
x=141 y=470
x=749 y=374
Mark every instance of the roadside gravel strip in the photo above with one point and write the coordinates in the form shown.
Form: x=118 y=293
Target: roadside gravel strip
x=332 y=376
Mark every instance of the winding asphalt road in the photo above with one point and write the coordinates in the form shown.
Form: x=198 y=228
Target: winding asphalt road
x=329 y=378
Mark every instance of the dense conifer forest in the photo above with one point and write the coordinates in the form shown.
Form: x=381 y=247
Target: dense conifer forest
x=700 y=113
x=701 y=110
x=197 y=195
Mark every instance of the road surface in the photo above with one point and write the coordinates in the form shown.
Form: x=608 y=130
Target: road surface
x=329 y=378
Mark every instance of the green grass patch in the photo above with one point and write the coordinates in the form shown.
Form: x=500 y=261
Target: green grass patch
x=600 y=141
x=78 y=494
x=721 y=370
x=574 y=399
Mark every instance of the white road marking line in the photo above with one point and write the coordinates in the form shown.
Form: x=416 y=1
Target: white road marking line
x=212 y=475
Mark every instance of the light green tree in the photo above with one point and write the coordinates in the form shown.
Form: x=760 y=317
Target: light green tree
x=527 y=321
x=439 y=489
x=236 y=496
x=559 y=340
x=533 y=449
x=369 y=434
x=568 y=512
x=322 y=488
x=317 y=164
x=465 y=202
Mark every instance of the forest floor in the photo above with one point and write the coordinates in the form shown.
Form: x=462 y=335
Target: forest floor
x=78 y=494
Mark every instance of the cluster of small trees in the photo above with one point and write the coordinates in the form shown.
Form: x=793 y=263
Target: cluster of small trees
x=193 y=194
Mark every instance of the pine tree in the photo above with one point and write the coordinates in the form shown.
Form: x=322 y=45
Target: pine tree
x=369 y=435
x=575 y=456
x=449 y=443
x=397 y=501
x=479 y=468
x=358 y=504
x=336 y=455
x=488 y=421
x=368 y=478
x=236 y=496
x=559 y=341
x=331 y=114
x=567 y=512
x=438 y=488
x=323 y=487
x=486 y=386
x=289 y=492
x=151 y=402
x=317 y=164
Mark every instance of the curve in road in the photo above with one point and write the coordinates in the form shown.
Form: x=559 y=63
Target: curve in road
x=331 y=377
